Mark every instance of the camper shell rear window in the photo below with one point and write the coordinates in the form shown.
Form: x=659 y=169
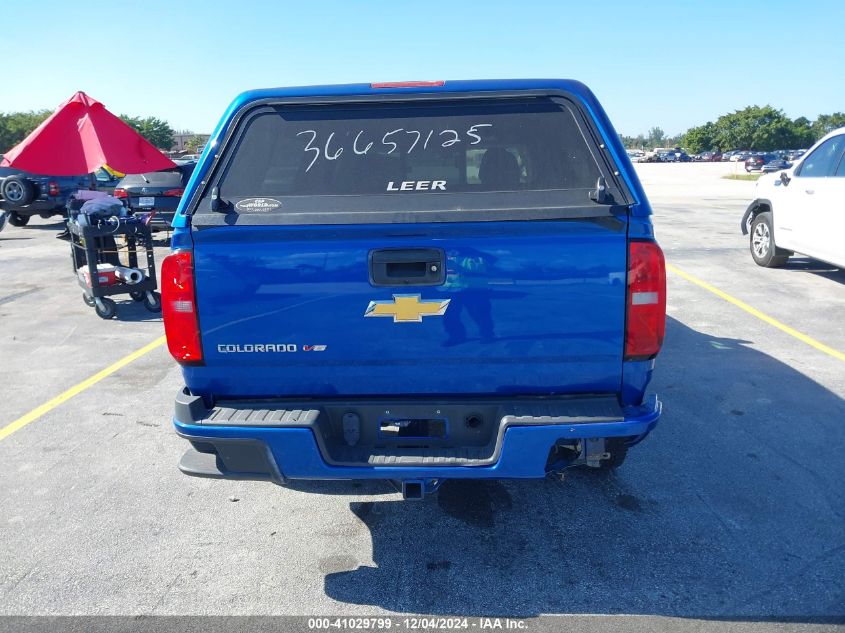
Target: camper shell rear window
x=413 y=161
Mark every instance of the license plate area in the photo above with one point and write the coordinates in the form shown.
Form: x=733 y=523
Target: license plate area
x=347 y=429
x=412 y=428
x=147 y=202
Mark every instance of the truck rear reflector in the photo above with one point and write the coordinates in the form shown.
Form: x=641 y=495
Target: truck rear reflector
x=646 y=301
x=179 y=308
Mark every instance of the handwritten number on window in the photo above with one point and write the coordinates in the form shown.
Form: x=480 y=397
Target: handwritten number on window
x=326 y=151
x=450 y=138
x=355 y=145
x=416 y=140
x=427 y=139
x=472 y=132
x=451 y=141
x=309 y=147
x=384 y=140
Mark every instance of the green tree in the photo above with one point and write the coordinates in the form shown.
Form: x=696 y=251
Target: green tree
x=825 y=123
x=633 y=142
x=804 y=135
x=194 y=143
x=655 y=137
x=16 y=126
x=778 y=133
x=756 y=128
x=156 y=131
x=699 y=139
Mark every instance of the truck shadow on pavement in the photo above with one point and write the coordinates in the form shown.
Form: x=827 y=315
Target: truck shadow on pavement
x=807 y=265
x=732 y=509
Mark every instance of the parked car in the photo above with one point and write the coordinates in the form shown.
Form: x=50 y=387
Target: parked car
x=23 y=194
x=676 y=155
x=158 y=191
x=755 y=162
x=775 y=165
x=329 y=374
x=799 y=210
x=188 y=158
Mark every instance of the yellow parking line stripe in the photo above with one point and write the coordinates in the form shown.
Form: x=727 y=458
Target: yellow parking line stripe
x=809 y=340
x=48 y=406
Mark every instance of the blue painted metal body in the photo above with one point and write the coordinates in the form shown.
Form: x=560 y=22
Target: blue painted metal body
x=537 y=308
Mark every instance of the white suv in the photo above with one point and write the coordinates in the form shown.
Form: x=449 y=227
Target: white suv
x=801 y=209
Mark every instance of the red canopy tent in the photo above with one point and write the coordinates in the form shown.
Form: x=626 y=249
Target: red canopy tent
x=80 y=136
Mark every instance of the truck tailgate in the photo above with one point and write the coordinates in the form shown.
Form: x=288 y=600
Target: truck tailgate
x=525 y=308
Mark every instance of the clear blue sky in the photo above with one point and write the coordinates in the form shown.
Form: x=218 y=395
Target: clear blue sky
x=672 y=64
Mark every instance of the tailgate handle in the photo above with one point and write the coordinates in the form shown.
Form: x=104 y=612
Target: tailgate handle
x=407 y=267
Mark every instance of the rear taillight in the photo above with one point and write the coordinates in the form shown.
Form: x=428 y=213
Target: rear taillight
x=177 y=193
x=179 y=308
x=120 y=193
x=646 y=301
x=53 y=188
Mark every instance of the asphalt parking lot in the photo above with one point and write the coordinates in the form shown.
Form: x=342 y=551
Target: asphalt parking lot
x=733 y=509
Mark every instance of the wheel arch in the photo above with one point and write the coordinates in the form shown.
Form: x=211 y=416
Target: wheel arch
x=757 y=206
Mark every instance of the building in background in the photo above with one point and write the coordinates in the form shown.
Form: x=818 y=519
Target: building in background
x=187 y=142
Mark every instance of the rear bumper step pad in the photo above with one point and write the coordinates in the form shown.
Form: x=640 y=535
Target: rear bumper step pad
x=267 y=440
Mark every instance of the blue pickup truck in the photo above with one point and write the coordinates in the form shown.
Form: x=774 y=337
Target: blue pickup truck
x=415 y=282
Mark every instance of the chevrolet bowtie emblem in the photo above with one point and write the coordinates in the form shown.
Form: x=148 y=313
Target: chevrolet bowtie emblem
x=407 y=308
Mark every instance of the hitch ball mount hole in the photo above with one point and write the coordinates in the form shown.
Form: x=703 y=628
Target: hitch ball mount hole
x=473 y=421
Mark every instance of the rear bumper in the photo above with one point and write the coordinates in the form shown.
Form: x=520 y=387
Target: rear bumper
x=281 y=452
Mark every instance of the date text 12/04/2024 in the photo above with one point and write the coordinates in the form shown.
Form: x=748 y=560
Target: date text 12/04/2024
x=412 y=623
